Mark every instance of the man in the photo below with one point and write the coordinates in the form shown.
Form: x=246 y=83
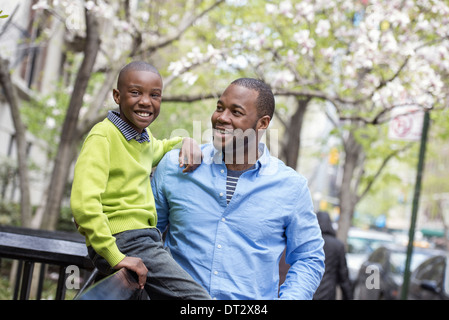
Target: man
x=229 y=221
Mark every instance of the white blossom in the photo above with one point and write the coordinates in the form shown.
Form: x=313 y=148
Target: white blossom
x=175 y=67
x=195 y=55
x=212 y=52
x=189 y=78
x=322 y=28
x=328 y=53
x=50 y=123
x=145 y=16
x=305 y=43
x=51 y=102
x=257 y=42
x=89 y=5
x=285 y=8
x=292 y=57
x=41 y=4
x=389 y=43
x=271 y=8
x=222 y=34
x=282 y=78
x=304 y=9
x=278 y=43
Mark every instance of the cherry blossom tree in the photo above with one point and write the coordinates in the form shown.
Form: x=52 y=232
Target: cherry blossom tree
x=365 y=58
x=101 y=37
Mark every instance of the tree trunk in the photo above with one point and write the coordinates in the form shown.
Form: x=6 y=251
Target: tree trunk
x=348 y=189
x=67 y=145
x=11 y=97
x=292 y=145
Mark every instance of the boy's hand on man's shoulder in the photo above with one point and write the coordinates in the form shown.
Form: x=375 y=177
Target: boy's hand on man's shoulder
x=190 y=155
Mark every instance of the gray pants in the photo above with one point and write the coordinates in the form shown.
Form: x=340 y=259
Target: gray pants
x=166 y=279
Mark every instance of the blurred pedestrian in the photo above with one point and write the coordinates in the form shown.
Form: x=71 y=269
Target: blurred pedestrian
x=336 y=270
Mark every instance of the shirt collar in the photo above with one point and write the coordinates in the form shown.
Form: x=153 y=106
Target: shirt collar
x=128 y=132
x=265 y=164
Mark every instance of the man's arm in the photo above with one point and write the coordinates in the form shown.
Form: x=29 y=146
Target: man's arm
x=157 y=185
x=304 y=252
x=190 y=156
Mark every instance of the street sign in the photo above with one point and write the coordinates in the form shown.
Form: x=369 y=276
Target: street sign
x=406 y=123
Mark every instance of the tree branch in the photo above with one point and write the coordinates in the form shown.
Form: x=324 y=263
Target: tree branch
x=9 y=21
x=282 y=121
x=66 y=147
x=11 y=96
x=334 y=99
x=377 y=119
x=185 y=23
x=190 y=98
x=381 y=168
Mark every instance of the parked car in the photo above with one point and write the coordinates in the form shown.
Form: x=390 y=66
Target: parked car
x=361 y=243
x=380 y=277
x=430 y=280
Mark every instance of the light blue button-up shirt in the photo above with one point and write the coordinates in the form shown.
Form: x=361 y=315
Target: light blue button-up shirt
x=234 y=250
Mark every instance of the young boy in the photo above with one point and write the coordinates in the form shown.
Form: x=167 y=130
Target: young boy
x=112 y=200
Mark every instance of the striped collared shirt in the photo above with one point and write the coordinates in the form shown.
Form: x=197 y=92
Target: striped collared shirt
x=233 y=250
x=127 y=131
x=231 y=182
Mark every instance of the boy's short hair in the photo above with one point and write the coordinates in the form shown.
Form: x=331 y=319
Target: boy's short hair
x=265 y=100
x=136 y=66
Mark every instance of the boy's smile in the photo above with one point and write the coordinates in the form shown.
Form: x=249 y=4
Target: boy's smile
x=139 y=98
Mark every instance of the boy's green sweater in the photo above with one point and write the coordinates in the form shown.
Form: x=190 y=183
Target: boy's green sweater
x=111 y=189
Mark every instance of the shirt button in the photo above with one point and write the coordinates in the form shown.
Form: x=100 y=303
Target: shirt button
x=221 y=194
x=223 y=219
x=215 y=272
x=222 y=171
x=219 y=246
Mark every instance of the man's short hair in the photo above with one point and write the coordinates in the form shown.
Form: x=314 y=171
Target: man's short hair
x=136 y=66
x=265 y=100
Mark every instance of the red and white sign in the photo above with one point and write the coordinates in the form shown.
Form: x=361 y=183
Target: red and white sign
x=406 y=123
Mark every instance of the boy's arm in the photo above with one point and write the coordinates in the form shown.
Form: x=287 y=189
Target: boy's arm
x=89 y=182
x=190 y=155
x=161 y=147
x=136 y=265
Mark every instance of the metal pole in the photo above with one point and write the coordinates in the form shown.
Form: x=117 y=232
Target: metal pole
x=411 y=234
